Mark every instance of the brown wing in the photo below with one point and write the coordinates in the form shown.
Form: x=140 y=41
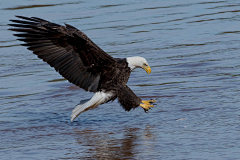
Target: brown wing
x=65 y=48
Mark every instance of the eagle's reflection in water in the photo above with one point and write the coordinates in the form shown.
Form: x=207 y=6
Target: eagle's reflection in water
x=109 y=145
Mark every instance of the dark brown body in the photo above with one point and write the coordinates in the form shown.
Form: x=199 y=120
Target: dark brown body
x=116 y=82
x=115 y=76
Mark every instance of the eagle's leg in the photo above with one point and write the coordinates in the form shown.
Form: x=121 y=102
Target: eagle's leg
x=147 y=104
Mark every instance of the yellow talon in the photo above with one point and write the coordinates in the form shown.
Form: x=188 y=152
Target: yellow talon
x=147 y=104
x=149 y=101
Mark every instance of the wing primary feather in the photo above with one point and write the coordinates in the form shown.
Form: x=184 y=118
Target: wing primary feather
x=36 y=41
x=32 y=39
x=40 y=19
x=24 y=22
x=36 y=49
x=30 y=19
x=38 y=45
x=21 y=25
x=27 y=35
x=49 y=51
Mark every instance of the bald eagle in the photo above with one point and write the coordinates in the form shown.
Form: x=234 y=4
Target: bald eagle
x=82 y=62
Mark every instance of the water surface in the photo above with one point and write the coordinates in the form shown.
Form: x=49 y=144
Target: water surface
x=193 y=49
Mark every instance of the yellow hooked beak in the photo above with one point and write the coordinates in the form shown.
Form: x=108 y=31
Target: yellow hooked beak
x=147 y=69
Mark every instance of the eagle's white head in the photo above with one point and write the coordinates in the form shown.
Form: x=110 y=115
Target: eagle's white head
x=138 y=62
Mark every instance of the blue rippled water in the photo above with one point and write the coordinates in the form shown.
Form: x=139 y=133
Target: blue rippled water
x=193 y=49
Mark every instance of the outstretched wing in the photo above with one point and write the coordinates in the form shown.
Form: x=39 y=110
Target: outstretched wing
x=65 y=48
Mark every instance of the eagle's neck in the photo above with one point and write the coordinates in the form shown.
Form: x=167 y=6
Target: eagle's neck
x=133 y=62
x=130 y=65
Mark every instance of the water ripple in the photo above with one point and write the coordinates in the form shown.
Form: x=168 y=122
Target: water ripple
x=193 y=50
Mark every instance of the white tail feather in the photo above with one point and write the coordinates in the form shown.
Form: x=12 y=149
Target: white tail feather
x=96 y=100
